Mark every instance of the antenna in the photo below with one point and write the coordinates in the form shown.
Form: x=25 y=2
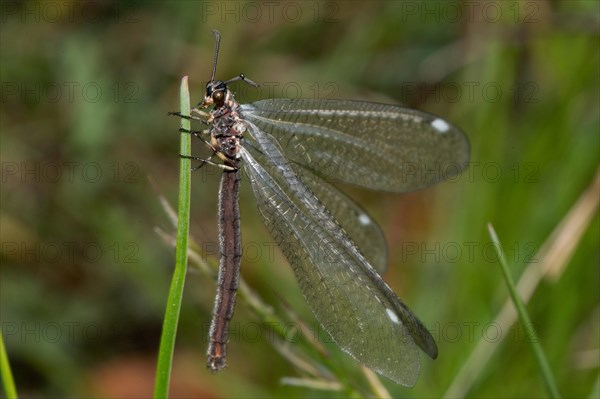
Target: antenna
x=218 y=38
x=241 y=76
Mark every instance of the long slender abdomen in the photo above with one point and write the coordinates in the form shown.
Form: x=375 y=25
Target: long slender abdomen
x=229 y=269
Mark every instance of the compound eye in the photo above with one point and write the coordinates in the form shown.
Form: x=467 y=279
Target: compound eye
x=218 y=96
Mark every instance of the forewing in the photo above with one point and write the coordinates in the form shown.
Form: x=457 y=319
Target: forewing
x=356 y=222
x=378 y=146
x=360 y=312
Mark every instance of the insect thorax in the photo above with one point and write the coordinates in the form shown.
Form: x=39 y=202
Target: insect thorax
x=227 y=131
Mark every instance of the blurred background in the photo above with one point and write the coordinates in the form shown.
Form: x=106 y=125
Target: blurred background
x=88 y=150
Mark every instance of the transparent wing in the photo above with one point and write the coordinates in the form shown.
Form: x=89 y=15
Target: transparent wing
x=356 y=222
x=352 y=303
x=378 y=146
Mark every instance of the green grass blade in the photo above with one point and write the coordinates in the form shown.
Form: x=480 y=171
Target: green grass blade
x=167 y=341
x=538 y=351
x=6 y=373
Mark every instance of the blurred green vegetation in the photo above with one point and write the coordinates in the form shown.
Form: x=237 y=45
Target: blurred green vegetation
x=86 y=88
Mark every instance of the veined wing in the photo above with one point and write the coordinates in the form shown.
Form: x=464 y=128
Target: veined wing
x=378 y=146
x=360 y=312
x=360 y=226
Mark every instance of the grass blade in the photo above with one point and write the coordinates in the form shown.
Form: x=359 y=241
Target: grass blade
x=169 y=331
x=6 y=373
x=570 y=228
x=525 y=320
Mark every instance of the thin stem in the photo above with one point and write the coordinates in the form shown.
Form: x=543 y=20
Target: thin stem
x=538 y=351
x=7 y=378
x=169 y=332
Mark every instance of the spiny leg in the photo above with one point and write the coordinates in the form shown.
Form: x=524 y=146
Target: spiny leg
x=203 y=118
x=198 y=134
x=206 y=161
